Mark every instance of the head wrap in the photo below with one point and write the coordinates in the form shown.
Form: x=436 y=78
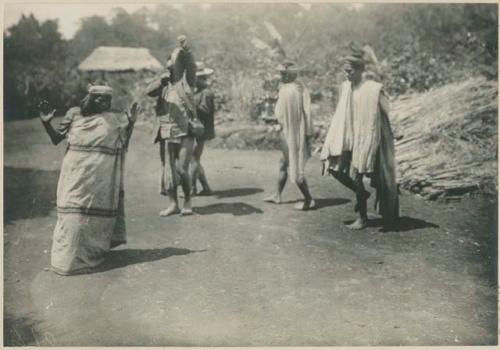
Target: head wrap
x=356 y=55
x=87 y=105
x=165 y=75
x=288 y=66
x=100 y=90
x=202 y=70
x=181 y=39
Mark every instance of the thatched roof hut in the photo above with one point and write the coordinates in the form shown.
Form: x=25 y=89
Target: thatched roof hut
x=120 y=59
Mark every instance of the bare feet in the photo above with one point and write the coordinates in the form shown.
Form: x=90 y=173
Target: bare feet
x=187 y=208
x=186 y=211
x=171 y=210
x=276 y=199
x=305 y=205
x=359 y=224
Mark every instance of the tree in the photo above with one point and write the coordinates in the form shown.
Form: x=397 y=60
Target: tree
x=94 y=31
x=34 y=66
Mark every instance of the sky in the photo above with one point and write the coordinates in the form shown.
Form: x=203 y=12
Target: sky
x=68 y=15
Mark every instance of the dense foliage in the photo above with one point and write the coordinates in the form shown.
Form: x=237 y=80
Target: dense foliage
x=420 y=46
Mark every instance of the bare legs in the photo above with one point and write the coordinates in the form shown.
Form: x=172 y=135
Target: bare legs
x=282 y=178
x=308 y=201
x=301 y=183
x=169 y=179
x=179 y=157
x=185 y=155
x=362 y=195
x=197 y=172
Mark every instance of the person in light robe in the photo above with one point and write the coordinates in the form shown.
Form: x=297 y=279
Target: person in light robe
x=90 y=191
x=293 y=115
x=359 y=142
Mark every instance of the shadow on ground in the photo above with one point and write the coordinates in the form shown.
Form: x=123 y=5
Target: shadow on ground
x=237 y=192
x=116 y=259
x=330 y=202
x=405 y=224
x=236 y=209
x=124 y=257
x=19 y=331
x=28 y=193
x=320 y=202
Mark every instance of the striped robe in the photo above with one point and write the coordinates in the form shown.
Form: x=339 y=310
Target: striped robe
x=90 y=210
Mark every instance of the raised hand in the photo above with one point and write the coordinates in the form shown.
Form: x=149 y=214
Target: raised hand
x=45 y=113
x=134 y=111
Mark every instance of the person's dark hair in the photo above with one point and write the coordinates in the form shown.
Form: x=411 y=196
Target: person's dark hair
x=359 y=65
x=288 y=76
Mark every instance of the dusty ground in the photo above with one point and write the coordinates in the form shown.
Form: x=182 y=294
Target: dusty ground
x=243 y=272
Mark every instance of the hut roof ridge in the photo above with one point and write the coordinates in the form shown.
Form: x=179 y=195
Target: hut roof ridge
x=120 y=58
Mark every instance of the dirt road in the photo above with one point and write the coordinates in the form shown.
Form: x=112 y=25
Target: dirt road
x=241 y=272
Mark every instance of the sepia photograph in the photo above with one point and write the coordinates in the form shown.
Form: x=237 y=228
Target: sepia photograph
x=229 y=174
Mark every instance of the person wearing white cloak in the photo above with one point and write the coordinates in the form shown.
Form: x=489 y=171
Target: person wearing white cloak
x=294 y=118
x=360 y=142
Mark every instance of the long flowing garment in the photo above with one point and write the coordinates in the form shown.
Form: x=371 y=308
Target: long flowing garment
x=293 y=113
x=360 y=140
x=90 y=192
